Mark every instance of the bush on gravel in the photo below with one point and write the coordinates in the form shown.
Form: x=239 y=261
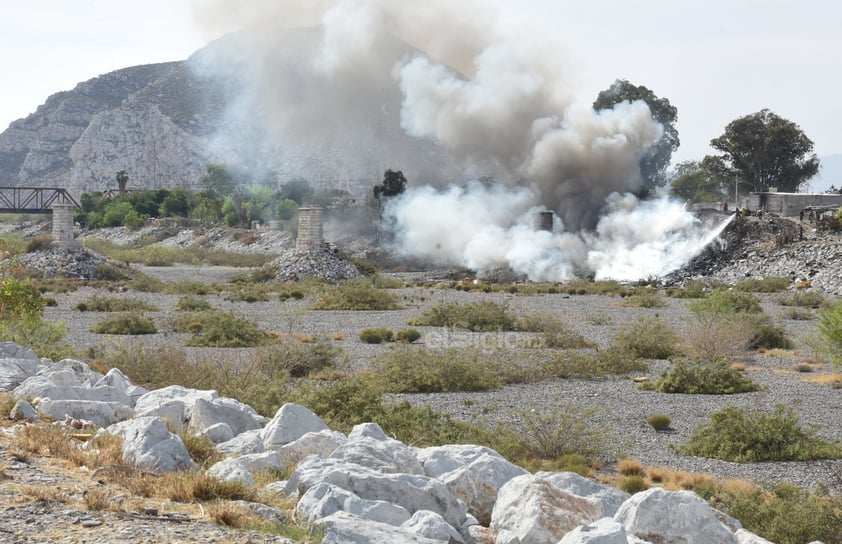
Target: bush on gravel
x=647 y=338
x=700 y=377
x=421 y=370
x=356 y=295
x=217 y=329
x=130 y=324
x=771 y=284
x=97 y=303
x=482 y=316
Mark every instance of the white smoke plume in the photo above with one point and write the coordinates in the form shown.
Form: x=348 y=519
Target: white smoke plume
x=378 y=76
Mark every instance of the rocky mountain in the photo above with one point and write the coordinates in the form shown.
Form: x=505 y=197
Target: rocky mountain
x=164 y=123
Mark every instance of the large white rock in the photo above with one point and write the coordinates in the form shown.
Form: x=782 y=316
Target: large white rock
x=323 y=499
x=609 y=497
x=291 y=422
x=154 y=399
x=23 y=411
x=474 y=473
x=203 y=414
x=247 y=442
x=41 y=387
x=321 y=443
x=369 y=430
x=231 y=470
x=171 y=411
x=388 y=455
x=431 y=525
x=411 y=491
x=218 y=433
x=673 y=517
x=530 y=510
x=118 y=380
x=602 y=531
x=148 y=444
x=16 y=365
x=99 y=413
x=345 y=528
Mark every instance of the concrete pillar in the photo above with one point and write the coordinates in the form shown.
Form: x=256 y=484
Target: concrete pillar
x=310 y=228
x=63 y=223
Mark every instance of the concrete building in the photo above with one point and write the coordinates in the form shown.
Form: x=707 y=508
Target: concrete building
x=787 y=204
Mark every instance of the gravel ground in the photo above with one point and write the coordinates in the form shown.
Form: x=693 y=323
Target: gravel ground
x=622 y=407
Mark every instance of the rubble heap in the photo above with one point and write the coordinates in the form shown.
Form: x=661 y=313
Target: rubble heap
x=316 y=262
x=62 y=261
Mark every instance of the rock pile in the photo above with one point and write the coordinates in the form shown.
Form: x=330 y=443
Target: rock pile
x=318 y=262
x=766 y=248
x=363 y=487
x=63 y=261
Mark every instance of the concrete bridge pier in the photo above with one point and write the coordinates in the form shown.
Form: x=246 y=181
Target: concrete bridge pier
x=63 y=223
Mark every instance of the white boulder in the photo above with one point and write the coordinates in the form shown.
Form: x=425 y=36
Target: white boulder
x=609 y=497
x=232 y=470
x=602 y=531
x=345 y=528
x=411 y=491
x=218 y=433
x=673 y=517
x=432 y=525
x=100 y=413
x=118 y=380
x=148 y=444
x=321 y=443
x=16 y=364
x=747 y=537
x=323 y=499
x=23 y=411
x=247 y=442
x=204 y=413
x=291 y=422
x=474 y=473
x=387 y=455
x=530 y=510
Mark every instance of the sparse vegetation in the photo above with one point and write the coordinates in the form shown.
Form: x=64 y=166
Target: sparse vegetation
x=803 y=299
x=407 y=336
x=130 y=324
x=772 y=284
x=645 y=297
x=483 y=316
x=356 y=295
x=749 y=436
x=702 y=377
x=219 y=329
x=98 y=303
x=192 y=303
x=647 y=338
x=659 y=422
x=420 y=370
x=377 y=335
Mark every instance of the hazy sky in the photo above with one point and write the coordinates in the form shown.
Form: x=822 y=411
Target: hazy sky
x=715 y=60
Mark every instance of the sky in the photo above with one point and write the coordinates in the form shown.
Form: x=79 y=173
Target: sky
x=715 y=60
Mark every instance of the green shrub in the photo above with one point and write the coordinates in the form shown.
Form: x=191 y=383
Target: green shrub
x=162 y=256
x=750 y=436
x=301 y=359
x=766 y=334
x=356 y=295
x=659 y=422
x=591 y=364
x=763 y=285
x=219 y=330
x=632 y=484
x=797 y=314
x=648 y=338
x=192 y=303
x=483 y=316
x=563 y=430
x=830 y=328
x=645 y=297
x=722 y=302
x=691 y=289
x=804 y=299
x=699 y=377
x=421 y=370
x=407 y=336
x=248 y=294
x=554 y=332
x=97 y=303
x=45 y=338
x=111 y=272
x=125 y=324
x=189 y=287
x=20 y=299
x=144 y=283
x=296 y=294
x=377 y=335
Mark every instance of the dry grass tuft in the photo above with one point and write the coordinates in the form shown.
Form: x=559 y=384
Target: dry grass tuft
x=190 y=486
x=98 y=499
x=630 y=467
x=338 y=336
x=738 y=487
x=4 y=466
x=825 y=378
x=231 y=515
x=739 y=367
x=41 y=493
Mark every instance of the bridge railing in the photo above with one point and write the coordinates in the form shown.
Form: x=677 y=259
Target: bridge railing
x=34 y=199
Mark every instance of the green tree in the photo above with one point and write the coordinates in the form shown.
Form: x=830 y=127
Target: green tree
x=394 y=183
x=298 y=190
x=218 y=180
x=702 y=181
x=830 y=327
x=285 y=209
x=122 y=178
x=653 y=165
x=765 y=150
x=175 y=204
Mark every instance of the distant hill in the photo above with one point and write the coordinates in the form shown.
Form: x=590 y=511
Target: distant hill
x=164 y=123
x=830 y=173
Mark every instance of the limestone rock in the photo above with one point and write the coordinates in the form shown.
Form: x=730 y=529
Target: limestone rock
x=324 y=499
x=344 y=528
x=530 y=510
x=148 y=444
x=118 y=380
x=23 y=411
x=321 y=443
x=247 y=442
x=100 y=413
x=291 y=422
x=672 y=517
x=411 y=491
x=232 y=470
x=391 y=456
x=16 y=364
x=602 y=531
x=432 y=525
x=218 y=433
x=610 y=498
x=204 y=414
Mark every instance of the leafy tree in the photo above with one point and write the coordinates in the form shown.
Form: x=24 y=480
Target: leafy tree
x=206 y=207
x=653 y=165
x=394 y=183
x=115 y=214
x=703 y=181
x=765 y=150
x=218 y=181
x=830 y=327
x=175 y=204
x=298 y=190
x=122 y=178
x=285 y=208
